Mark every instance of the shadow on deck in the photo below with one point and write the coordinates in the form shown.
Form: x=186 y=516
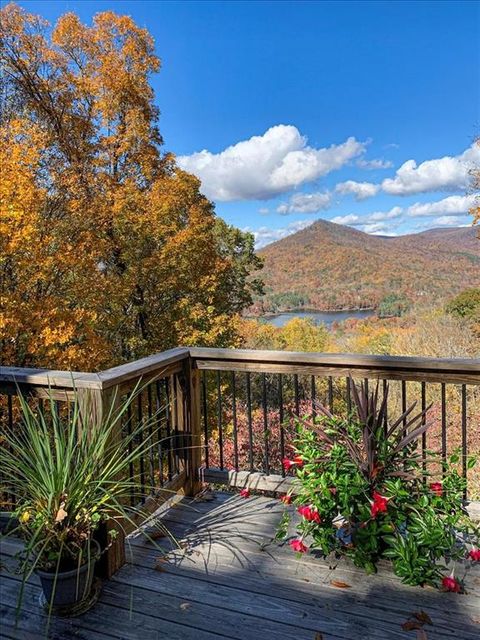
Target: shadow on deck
x=228 y=581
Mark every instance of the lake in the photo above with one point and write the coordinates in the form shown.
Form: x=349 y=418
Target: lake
x=327 y=317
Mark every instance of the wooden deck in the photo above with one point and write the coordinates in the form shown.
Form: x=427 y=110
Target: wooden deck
x=229 y=581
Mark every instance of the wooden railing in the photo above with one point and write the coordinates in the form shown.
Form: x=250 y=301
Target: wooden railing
x=228 y=413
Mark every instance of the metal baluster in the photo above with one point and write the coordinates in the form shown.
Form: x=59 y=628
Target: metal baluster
x=265 y=422
x=219 y=418
x=205 y=415
x=249 y=416
x=234 y=417
x=281 y=419
x=464 y=436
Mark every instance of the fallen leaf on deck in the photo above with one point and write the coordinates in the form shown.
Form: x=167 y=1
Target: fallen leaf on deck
x=154 y=535
x=340 y=585
x=185 y=606
x=410 y=625
x=422 y=616
x=318 y=636
x=422 y=634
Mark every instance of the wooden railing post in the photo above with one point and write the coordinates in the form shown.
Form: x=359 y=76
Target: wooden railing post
x=191 y=425
x=95 y=405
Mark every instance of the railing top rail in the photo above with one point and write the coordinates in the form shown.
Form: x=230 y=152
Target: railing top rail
x=139 y=368
x=434 y=369
x=394 y=367
x=459 y=365
x=49 y=378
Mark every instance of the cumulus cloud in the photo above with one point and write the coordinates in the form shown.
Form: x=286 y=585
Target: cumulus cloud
x=306 y=203
x=266 y=235
x=446 y=221
x=375 y=163
x=354 y=220
x=441 y=174
x=268 y=165
x=361 y=190
x=451 y=206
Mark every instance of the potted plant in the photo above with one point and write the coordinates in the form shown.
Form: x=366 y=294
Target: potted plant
x=363 y=493
x=69 y=477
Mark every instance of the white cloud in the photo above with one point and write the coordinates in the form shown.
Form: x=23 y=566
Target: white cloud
x=379 y=228
x=452 y=206
x=266 y=166
x=266 y=235
x=376 y=163
x=361 y=190
x=441 y=174
x=306 y=203
x=263 y=211
x=446 y=221
x=372 y=218
x=350 y=219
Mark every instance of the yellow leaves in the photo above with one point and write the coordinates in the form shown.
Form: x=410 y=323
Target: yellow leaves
x=25 y=517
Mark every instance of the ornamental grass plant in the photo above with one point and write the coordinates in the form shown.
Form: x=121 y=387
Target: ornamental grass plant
x=364 y=492
x=70 y=475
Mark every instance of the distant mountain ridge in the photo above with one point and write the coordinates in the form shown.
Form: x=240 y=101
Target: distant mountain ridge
x=328 y=266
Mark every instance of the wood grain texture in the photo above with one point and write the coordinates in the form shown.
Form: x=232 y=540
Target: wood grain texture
x=228 y=579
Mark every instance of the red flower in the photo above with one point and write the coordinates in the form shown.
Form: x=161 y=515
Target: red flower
x=298 y=546
x=296 y=462
x=245 y=493
x=380 y=504
x=449 y=583
x=474 y=554
x=333 y=490
x=310 y=513
x=436 y=488
x=286 y=499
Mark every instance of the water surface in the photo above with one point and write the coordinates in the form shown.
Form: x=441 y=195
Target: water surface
x=327 y=317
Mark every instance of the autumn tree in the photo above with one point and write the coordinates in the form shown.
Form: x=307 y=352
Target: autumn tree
x=108 y=250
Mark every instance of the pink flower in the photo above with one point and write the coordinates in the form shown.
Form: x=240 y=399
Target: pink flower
x=245 y=493
x=310 y=513
x=296 y=462
x=333 y=490
x=298 y=546
x=449 y=583
x=380 y=504
x=474 y=554
x=286 y=499
x=436 y=488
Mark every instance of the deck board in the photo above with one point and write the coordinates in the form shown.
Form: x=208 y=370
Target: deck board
x=228 y=580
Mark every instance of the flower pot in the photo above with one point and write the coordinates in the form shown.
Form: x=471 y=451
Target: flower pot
x=7 y=522
x=66 y=591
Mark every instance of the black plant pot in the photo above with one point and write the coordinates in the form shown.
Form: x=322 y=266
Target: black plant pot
x=70 y=592
x=7 y=522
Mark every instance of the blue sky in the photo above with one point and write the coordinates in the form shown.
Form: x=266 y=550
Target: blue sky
x=359 y=112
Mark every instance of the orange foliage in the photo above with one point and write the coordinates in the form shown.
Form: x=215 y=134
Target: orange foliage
x=108 y=250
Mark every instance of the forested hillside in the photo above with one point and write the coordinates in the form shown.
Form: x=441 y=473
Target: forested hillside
x=329 y=266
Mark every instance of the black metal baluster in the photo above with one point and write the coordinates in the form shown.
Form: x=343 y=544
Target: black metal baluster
x=234 y=417
x=168 y=416
x=464 y=436
x=444 y=422
x=281 y=419
x=330 y=394
x=265 y=423
x=349 y=396
x=219 y=418
x=131 y=470
x=151 y=461
x=385 y=416
x=365 y=384
x=313 y=393
x=205 y=415
x=140 y=439
x=250 y=427
x=404 y=405
x=424 y=434
x=297 y=394
x=158 y=405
